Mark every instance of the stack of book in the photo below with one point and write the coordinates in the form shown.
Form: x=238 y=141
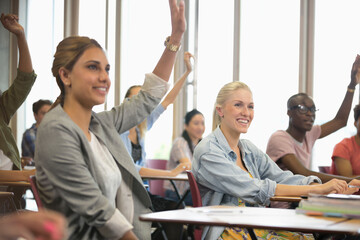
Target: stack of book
x=331 y=205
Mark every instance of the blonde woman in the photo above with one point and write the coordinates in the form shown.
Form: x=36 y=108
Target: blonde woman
x=233 y=171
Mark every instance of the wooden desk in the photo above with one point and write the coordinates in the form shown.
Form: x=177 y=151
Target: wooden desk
x=251 y=217
x=285 y=199
x=16 y=184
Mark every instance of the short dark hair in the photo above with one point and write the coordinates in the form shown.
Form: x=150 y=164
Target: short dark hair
x=357 y=112
x=291 y=99
x=37 y=105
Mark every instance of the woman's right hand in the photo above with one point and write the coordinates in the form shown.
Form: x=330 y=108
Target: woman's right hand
x=332 y=186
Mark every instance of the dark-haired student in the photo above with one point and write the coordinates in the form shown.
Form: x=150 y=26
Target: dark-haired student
x=10 y=101
x=40 y=108
x=182 y=151
x=291 y=148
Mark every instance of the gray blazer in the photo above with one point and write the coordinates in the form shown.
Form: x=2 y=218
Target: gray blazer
x=65 y=168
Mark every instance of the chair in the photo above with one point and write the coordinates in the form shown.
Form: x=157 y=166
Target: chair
x=196 y=199
x=324 y=169
x=32 y=180
x=157 y=186
x=7 y=202
x=197 y=202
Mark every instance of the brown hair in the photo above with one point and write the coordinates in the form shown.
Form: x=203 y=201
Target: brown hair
x=68 y=51
x=143 y=125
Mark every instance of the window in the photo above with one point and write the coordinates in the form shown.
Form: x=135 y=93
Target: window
x=44 y=32
x=336 y=46
x=142 y=41
x=215 y=54
x=269 y=62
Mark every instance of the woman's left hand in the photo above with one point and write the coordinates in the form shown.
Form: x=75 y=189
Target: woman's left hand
x=178 y=22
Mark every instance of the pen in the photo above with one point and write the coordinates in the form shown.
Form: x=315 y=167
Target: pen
x=353 y=186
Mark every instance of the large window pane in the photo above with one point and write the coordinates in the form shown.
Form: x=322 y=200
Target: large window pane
x=336 y=46
x=215 y=53
x=269 y=62
x=45 y=31
x=145 y=25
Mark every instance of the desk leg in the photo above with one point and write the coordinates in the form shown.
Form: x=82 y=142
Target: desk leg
x=252 y=234
x=181 y=199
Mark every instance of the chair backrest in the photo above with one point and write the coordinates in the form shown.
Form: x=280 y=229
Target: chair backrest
x=196 y=199
x=194 y=189
x=157 y=186
x=324 y=169
x=32 y=180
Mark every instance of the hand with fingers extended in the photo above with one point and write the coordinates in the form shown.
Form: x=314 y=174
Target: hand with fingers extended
x=355 y=72
x=178 y=22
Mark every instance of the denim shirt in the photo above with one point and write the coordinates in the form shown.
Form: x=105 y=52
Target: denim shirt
x=222 y=182
x=149 y=122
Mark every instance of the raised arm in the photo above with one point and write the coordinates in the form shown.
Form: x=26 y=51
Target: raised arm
x=294 y=165
x=170 y=97
x=164 y=67
x=342 y=115
x=10 y=22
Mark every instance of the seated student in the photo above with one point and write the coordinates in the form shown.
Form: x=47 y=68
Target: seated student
x=33 y=225
x=28 y=141
x=233 y=171
x=10 y=101
x=291 y=149
x=85 y=172
x=13 y=98
x=134 y=139
x=182 y=152
x=346 y=154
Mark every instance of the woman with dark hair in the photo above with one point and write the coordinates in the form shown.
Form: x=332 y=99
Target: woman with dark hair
x=182 y=151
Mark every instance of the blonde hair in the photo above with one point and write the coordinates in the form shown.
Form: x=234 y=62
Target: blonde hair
x=68 y=51
x=223 y=96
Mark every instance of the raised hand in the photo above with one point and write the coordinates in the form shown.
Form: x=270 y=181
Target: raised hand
x=187 y=57
x=355 y=72
x=10 y=22
x=178 y=22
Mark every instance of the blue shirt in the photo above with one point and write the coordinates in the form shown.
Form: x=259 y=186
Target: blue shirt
x=28 y=142
x=222 y=182
x=150 y=121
